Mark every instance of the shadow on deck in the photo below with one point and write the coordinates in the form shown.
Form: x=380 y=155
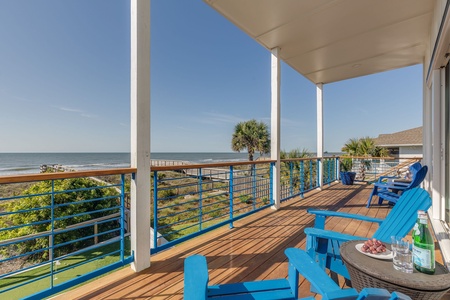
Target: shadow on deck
x=252 y=250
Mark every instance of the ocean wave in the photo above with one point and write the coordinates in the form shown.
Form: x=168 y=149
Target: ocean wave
x=97 y=166
x=19 y=170
x=213 y=160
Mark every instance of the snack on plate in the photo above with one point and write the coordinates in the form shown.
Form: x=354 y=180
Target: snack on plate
x=373 y=246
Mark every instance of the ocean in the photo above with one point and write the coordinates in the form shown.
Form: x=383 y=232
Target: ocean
x=29 y=163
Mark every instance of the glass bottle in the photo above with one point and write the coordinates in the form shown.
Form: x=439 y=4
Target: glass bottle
x=423 y=245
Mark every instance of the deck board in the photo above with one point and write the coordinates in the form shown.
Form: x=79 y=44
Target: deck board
x=252 y=250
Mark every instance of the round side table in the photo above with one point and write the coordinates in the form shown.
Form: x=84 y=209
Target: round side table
x=366 y=271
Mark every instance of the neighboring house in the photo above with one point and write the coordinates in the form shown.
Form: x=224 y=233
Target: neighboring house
x=403 y=144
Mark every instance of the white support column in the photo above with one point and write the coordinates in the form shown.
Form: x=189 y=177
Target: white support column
x=319 y=91
x=140 y=133
x=436 y=133
x=275 y=125
x=439 y=209
x=427 y=134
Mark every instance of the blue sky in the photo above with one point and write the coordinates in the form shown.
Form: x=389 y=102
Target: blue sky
x=64 y=83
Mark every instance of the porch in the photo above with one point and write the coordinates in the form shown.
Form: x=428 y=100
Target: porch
x=252 y=250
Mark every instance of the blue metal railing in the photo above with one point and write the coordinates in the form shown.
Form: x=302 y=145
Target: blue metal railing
x=59 y=232
x=299 y=176
x=192 y=199
x=330 y=166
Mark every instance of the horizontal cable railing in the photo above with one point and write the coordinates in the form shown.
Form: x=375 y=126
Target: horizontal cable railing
x=61 y=229
x=191 y=199
x=330 y=166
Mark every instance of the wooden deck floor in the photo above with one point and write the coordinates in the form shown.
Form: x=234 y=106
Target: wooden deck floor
x=253 y=250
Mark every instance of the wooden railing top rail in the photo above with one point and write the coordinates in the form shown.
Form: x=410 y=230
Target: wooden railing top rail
x=63 y=175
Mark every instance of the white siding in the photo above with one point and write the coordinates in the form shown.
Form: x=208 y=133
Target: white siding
x=410 y=152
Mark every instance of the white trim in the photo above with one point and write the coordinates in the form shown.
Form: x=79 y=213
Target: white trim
x=140 y=133
x=443 y=160
x=319 y=92
x=442 y=237
x=427 y=133
x=437 y=154
x=275 y=125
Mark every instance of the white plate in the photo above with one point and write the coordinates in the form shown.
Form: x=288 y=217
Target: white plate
x=382 y=255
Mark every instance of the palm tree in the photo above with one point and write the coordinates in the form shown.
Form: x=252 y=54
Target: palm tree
x=380 y=152
x=251 y=135
x=351 y=147
x=366 y=146
x=295 y=166
x=295 y=153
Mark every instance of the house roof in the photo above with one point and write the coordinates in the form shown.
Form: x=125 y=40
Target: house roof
x=410 y=137
x=328 y=41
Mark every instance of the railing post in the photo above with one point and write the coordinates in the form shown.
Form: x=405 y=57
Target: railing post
x=338 y=166
x=271 y=184
x=155 y=209
x=333 y=170
x=231 y=196
x=51 y=237
x=319 y=173
x=329 y=171
x=200 y=200
x=122 y=218
x=302 y=178
x=254 y=185
x=311 y=177
x=291 y=185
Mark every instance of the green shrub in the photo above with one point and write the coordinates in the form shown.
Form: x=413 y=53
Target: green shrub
x=41 y=214
x=167 y=194
x=246 y=199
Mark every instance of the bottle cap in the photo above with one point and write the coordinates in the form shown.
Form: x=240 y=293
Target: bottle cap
x=422 y=217
x=421 y=214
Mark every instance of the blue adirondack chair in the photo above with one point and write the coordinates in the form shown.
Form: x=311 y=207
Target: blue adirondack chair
x=412 y=170
x=196 y=283
x=391 y=191
x=323 y=245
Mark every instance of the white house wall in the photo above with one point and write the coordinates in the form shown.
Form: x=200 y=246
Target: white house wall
x=410 y=151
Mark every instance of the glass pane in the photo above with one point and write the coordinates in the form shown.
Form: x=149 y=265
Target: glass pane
x=447 y=143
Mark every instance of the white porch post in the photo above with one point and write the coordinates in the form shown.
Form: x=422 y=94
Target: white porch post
x=437 y=147
x=319 y=91
x=275 y=126
x=427 y=134
x=140 y=133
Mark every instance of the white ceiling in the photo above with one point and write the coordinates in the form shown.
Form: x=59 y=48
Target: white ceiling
x=332 y=40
